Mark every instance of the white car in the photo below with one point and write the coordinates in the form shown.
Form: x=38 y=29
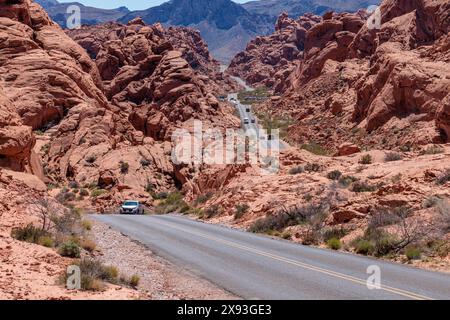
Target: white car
x=132 y=207
x=246 y=121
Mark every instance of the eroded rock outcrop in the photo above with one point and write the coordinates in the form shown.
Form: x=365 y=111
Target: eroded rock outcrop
x=108 y=121
x=269 y=60
x=382 y=88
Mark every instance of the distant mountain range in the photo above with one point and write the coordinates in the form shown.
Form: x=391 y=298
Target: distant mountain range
x=225 y=25
x=89 y=15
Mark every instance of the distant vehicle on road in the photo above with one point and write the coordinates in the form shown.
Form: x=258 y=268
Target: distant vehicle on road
x=253 y=121
x=132 y=207
x=246 y=121
x=247 y=110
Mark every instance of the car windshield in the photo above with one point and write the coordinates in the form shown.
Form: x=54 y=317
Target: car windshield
x=130 y=203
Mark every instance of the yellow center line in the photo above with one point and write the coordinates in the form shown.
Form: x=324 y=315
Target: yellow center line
x=400 y=292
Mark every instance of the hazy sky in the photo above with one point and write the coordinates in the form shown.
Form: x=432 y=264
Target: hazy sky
x=131 y=4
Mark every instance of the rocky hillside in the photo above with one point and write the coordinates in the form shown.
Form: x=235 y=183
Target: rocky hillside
x=362 y=85
x=185 y=40
x=297 y=8
x=225 y=25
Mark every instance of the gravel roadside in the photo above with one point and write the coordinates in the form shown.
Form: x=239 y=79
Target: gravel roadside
x=159 y=279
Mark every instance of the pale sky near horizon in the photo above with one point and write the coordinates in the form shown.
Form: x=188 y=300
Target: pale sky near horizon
x=130 y=4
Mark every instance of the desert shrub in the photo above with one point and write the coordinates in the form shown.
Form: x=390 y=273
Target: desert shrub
x=315 y=148
x=145 y=162
x=149 y=188
x=70 y=249
x=45 y=149
x=46 y=241
x=91 y=159
x=97 y=193
x=160 y=195
x=124 y=167
x=383 y=242
x=346 y=181
x=172 y=203
x=93 y=273
x=443 y=207
x=88 y=245
x=392 y=156
x=288 y=217
x=65 y=196
x=363 y=186
x=134 y=281
x=87 y=225
x=434 y=149
x=74 y=185
x=388 y=216
x=311 y=238
x=363 y=246
x=109 y=273
x=313 y=167
x=334 y=244
x=212 y=211
x=197 y=212
x=296 y=170
x=241 y=209
x=444 y=177
x=336 y=233
x=334 y=175
x=268 y=223
x=203 y=198
x=67 y=222
x=413 y=253
x=29 y=234
x=366 y=159
x=430 y=202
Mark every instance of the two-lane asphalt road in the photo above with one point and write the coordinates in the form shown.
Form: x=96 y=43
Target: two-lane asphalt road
x=257 y=267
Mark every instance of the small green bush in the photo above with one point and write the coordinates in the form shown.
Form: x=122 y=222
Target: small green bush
x=363 y=246
x=70 y=249
x=134 y=281
x=29 y=234
x=313 y=167
x=87 y=225
x=241 y=209
x=212 y=211
x=124 y=167
x=330 y=233
x=366 y=159
x=203 y=198
x=393 y=156
x=91 y=159
x=346 y=181
x=145 y=162
x=296 y=170
x=430 y=202
x=47 y=241
x=97 y=193
x=363 y=186
x=413 y=253
x=334 y=244
x=434 y=149
x=315 y=148
x=334 y=175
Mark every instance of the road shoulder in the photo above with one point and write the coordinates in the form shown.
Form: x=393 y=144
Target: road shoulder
x=159 y=279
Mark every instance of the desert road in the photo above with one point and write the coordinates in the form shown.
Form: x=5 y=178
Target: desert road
x=257 y=267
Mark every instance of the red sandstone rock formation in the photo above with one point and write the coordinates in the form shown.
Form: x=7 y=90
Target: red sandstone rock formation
x=356 y=85
x=269 y=60
x=122 y=107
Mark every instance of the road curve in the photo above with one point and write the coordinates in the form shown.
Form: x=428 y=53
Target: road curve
x=258 y=267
